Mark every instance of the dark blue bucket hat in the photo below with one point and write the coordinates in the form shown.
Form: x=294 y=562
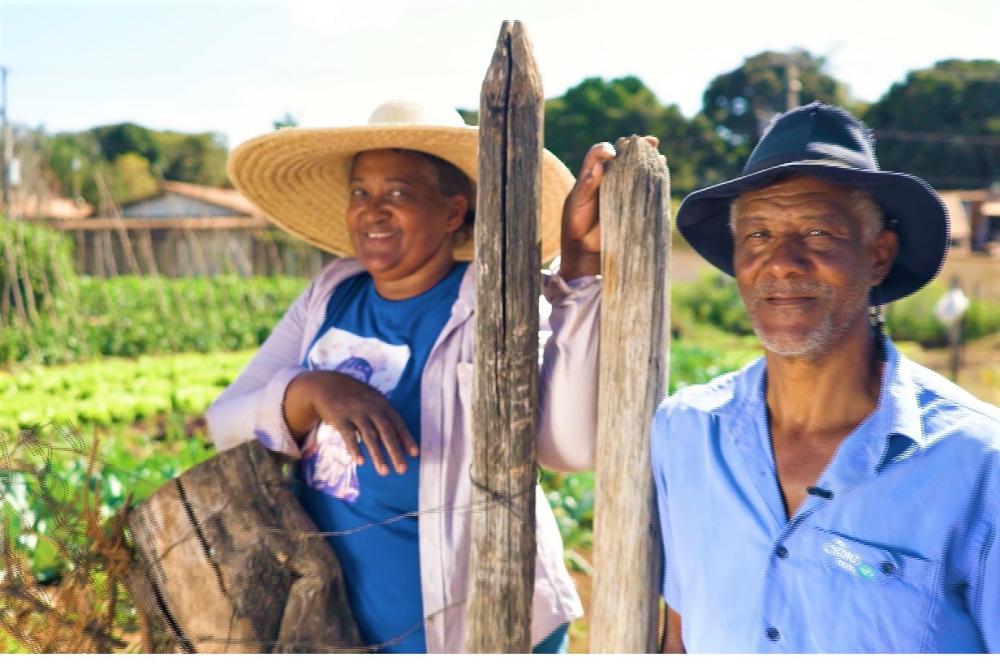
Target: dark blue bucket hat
x=828 y=143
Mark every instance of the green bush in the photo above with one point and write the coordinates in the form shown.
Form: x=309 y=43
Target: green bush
x=913 y=318
x=36 y=271
x=714 y=300
x=130 y=316
x=711 y=299
x=981 y=319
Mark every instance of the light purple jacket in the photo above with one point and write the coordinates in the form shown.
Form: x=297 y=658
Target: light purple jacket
x=252 y=407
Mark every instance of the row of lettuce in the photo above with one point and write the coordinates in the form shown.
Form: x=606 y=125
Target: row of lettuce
x=144 y=416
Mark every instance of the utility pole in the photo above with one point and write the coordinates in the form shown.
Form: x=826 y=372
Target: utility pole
x=792 y=83
x=8 y=143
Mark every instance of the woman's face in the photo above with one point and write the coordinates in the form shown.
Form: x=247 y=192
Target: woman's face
x=400 y=222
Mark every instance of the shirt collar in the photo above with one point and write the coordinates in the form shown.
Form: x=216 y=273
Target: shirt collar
x=896 y=413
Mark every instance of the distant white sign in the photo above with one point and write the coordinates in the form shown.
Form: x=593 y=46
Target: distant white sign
x=951 y=306
x=14 y=172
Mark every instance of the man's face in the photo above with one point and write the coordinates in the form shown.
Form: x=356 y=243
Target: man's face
x=803 y=265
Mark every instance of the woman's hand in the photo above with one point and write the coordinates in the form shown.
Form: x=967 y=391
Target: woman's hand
x=581 y=228
x=356 y=410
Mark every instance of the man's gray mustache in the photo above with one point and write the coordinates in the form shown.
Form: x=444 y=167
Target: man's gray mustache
x=787 y=289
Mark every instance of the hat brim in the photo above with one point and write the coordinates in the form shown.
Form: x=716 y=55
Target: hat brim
x=921 y=220
x=298 y=177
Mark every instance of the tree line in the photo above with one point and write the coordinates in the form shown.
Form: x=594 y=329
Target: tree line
x=941 y=123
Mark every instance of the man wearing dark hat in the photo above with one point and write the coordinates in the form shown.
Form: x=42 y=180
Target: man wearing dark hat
x=832 y=496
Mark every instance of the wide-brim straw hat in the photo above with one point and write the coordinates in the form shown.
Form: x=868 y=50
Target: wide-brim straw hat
x=299 y=176
x=827 y=142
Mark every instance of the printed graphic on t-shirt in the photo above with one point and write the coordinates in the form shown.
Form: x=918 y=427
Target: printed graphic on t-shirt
x=329 y=466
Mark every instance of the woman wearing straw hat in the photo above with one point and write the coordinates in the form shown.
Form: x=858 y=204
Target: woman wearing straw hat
x=367 y=378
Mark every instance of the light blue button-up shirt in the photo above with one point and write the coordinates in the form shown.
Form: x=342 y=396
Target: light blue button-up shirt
x=898 y=552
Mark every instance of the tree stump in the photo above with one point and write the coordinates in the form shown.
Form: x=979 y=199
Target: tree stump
x=230 y=562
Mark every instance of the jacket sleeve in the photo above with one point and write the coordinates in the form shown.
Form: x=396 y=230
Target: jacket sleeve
x=568 y=387
x=252 y=406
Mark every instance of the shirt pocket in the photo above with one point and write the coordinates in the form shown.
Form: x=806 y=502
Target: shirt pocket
x=879 y=597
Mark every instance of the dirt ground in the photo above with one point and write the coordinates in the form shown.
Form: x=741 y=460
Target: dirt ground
x=979 y=369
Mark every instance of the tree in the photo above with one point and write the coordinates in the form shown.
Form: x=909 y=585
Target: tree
x=70 y=157
x=599 y=110
x=742 y=102
x=193 y=158
x=127 y=179
x=124 y=138
x=287 y=121
x=943 y=124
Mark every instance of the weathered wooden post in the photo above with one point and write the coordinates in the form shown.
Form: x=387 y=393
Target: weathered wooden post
x=505 y=389
x=634 y=366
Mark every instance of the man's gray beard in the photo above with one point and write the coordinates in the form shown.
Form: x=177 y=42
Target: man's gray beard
x=816 y=343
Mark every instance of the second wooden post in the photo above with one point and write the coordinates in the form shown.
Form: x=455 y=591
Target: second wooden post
x=634 y=366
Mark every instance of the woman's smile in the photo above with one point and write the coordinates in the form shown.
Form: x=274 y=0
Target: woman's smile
x=401 y=223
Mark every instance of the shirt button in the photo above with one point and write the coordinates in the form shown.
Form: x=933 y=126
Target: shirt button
x=888 y=568
x=773 y=634
x=781 y=551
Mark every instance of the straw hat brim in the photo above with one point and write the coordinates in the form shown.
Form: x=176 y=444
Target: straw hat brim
x=298 y=177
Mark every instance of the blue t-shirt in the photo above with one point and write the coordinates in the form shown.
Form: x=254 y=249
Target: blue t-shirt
x=384 y=344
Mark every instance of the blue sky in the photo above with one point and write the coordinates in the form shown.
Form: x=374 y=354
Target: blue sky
x=233 y=67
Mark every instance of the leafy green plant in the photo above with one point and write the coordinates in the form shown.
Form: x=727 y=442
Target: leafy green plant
x=129 y=316
x=711 y=299
x=913 y=318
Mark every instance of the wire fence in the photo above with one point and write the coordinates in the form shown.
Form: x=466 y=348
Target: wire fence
x=88 y=606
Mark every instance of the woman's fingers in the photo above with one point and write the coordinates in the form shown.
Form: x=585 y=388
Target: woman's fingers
x=405 y=437
x=372 y=436
x=361 y=413
x=349 y=434
x=391 y=441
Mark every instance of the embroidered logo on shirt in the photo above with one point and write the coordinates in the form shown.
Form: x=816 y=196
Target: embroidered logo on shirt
x=329 y=466
x=848 y=560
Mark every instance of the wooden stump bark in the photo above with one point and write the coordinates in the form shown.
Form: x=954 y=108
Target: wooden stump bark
x=634 y=367
x=230 y=562
x=505 y=389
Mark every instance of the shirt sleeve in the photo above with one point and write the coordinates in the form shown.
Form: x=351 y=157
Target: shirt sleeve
x=568 y=388
x=986 y=601
x=252 y=407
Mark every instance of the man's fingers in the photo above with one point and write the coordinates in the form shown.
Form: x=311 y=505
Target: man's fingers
x=652 y=140
x=391 y=441
x=370 y=436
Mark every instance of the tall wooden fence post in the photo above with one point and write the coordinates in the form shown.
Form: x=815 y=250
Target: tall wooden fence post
x=505 y=389
x=634 y=367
